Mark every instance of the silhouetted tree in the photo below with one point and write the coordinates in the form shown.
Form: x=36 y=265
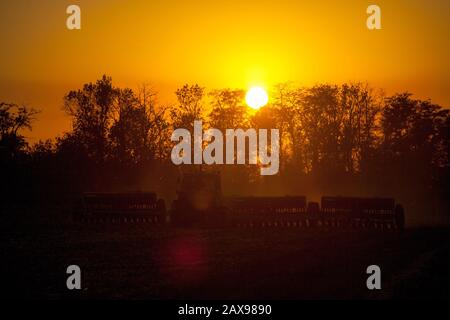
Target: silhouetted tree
x=189 y=108
x=92 y=110
x=413 y=140
x=159 y=132
x=13 y=119
x=286 y=100
x=361 y=108
x=321 y=117
x=228 y=110
x=130 y=132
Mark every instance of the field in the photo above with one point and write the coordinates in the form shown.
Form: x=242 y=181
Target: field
x=144 y=262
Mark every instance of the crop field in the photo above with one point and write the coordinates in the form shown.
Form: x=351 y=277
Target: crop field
x=146 y=262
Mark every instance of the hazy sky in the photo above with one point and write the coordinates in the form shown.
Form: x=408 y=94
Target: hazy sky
x=229 y=43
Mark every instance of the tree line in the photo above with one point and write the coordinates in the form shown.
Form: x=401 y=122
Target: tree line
x=347 y=139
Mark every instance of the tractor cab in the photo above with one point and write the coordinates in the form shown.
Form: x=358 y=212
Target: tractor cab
x=199 y=200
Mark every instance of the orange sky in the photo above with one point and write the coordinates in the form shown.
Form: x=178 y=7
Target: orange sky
x=229 y=43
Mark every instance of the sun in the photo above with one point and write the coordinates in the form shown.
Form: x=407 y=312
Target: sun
x=256 y=98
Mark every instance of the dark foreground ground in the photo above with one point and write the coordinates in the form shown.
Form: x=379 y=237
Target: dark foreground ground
x=130 y=262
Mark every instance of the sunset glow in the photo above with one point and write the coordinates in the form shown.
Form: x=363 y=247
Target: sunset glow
x=218 y=45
